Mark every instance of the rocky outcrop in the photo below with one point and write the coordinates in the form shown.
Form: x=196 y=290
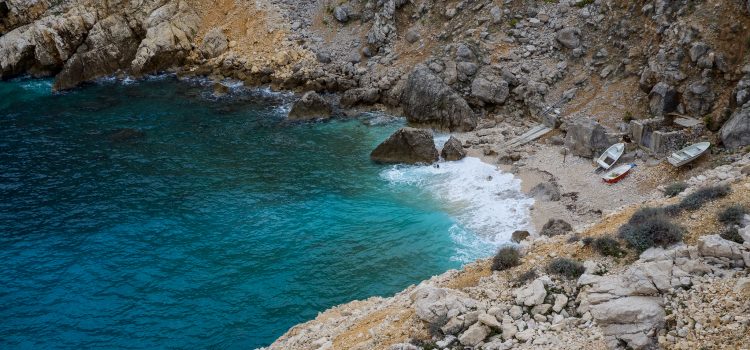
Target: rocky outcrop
x=170 y=31
x=214 y=43
x=735 y=133
x=587 y=138
x=569 y=37
x=453 y=150
x=489 y=88
x=359 y=96
x=698 y=99
x=407 y=145
x=662 y=99
x=427 y=100
x=109 y=46
x=310 y=106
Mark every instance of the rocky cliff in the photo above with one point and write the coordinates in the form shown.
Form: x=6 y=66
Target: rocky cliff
x=657 y=74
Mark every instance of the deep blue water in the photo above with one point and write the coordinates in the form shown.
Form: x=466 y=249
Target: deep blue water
x=220 y=228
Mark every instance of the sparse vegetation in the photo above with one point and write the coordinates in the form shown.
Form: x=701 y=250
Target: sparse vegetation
x=675 y=188
x=628 y=117
x=700 y=197
x=526 y=277
x=650 y=227
x=608 y=246
x=732 y=234
x=565 y=267
x=513 y=22
x=506 y=258
x=434 y=327
x=587 y=241
x=733 y=214
x=583 y=3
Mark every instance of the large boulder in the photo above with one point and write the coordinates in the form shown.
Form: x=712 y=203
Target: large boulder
x=490 y=89
x=359 y=96
x=736 y=131
x=214 y=43
x=310 y=106
x=569 y=37
x=630 y=320
x=532 y=294
x=427 y=100
x=407 y=145
x=662 y=99
x=474 y=335
x=453 y=150
x=587 y=138
x=698 y=99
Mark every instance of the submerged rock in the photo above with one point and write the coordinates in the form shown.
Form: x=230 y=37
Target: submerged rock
x=310 y=106
x=127 y=135
x=407 y=145
x=453 y=150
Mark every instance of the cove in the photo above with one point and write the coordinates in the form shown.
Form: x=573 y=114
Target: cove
x=222 y=225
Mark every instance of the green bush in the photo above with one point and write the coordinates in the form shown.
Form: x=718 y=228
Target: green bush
x=732 y=234
x=506 y=258
x=650 y=227
x=675 y=188
x=566 y=267
x=607 y=246
x=733 y=214
x=702 y=196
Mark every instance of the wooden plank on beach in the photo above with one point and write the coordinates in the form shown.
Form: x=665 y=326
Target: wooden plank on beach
x=534 y=133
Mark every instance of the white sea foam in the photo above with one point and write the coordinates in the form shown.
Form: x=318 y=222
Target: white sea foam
x=488 y=205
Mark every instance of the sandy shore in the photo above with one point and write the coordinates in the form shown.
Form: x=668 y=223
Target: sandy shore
x=584 y=197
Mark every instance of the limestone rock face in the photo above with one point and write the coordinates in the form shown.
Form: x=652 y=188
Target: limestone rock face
x=310 y=106
x=631 y=318
x=474 y=335
x=453 y=150
x=407 y=145
x=169 y=36
x=427 y=100
x=736 y=131
x=110 y=46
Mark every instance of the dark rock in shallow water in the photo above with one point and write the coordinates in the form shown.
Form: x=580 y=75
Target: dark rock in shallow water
x=310 y=106
x=519 y=236
x=220 y=89
x=453 y=150
x=127 y=135
x=555 y=227
x=407 y=145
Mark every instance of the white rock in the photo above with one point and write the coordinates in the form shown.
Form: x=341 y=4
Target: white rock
x=474 y=335
x=516 y=312
x=532 y=294
x=525 y=336
x=560 y=301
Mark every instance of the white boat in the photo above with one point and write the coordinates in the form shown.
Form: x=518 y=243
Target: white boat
x=611 y=155
x=688 y=154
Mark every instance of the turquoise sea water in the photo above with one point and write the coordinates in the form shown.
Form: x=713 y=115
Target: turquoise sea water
x=220 y=228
